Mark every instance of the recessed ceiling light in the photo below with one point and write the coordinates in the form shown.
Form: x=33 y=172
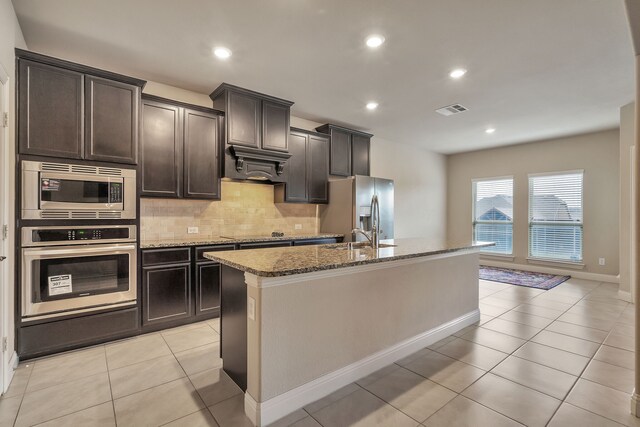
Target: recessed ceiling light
x=490 y=130
x=222 y=52
x=372 y=105
x=374 y=41
x=457 y=73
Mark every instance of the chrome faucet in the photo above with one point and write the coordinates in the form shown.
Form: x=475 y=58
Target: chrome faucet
x=374 y=236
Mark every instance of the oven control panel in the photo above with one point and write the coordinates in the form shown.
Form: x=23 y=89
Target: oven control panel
x=35 y=236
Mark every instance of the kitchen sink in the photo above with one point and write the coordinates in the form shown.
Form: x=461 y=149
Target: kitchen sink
x=359 y=245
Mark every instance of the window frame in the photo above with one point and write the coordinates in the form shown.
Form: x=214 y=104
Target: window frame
x=474 y=183
x=532 y=258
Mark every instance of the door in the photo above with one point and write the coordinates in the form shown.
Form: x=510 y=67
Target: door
x=111 y=120
x=243 y=120
x=275 y=126
x=50 y=102
x=318 y=164
x=385 y=190
x=340 y=153
x=161 y=153
x=201 y=155
x=297 y=164
x=360 y=155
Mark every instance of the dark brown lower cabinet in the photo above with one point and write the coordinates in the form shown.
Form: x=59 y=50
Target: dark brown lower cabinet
x=167 y=293
x=180 y=285
x=207 y=288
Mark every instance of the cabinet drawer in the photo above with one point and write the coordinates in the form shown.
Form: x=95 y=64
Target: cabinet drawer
x=202 y=249
x=260 y=245
x=165 y=256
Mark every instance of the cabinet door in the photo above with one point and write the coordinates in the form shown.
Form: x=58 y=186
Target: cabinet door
x=340 y=153
x=243 y=120
x=275 y=126
x=207 y=289
x=161 y=149
x=297 y=165
x=318 y=161
x=201 y=155
x=111 y=120
x=360 y=155
x=166 y=293
x=50 y=113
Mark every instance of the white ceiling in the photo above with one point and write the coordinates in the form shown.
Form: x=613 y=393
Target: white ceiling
x=537 y=68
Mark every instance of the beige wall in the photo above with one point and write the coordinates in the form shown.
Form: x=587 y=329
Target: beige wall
x=627 y=140
x=10 y=38
x=596 y=153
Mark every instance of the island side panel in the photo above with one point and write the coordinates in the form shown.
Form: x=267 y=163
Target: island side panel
x=233 y=325
x=314 y=327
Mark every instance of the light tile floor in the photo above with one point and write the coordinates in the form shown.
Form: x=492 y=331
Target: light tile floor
x=562 y=357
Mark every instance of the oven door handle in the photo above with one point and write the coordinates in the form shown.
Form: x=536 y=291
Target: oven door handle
x=66 y=252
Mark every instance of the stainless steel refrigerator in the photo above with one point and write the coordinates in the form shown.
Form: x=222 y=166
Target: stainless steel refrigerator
x=350 y=206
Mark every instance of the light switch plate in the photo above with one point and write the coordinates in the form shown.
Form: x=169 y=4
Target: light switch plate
x=192 y=230
x=298 y=226
x=602 y=261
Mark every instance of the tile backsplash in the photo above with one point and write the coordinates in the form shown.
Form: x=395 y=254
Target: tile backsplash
x=245 y=209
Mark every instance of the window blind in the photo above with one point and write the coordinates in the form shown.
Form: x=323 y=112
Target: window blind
x=493 y=214
x=555 y=216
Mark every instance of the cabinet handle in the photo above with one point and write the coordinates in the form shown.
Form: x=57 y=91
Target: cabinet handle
x=2 y=258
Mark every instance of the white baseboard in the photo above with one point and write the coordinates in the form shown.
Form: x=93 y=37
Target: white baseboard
x=609 y=278
x=264 y=413
x=625 y=296
x=10 y=368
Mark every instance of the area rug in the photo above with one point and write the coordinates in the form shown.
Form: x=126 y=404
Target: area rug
x=521 y=278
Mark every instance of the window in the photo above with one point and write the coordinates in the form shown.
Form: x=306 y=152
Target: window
x=493 y=214
x=555 y=216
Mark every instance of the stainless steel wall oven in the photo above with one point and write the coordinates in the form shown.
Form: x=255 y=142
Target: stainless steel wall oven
x=67 y=270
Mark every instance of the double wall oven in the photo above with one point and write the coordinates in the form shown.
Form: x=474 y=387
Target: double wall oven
x=75 y=269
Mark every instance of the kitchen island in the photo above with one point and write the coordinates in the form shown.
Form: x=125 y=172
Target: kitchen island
x=299 y=323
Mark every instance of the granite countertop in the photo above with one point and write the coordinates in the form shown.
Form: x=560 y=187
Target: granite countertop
x=275 y=262
x=218 y=240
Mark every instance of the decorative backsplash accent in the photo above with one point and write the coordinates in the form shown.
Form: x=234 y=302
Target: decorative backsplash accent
x=246 y=209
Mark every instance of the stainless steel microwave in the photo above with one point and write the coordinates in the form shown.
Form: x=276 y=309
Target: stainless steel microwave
x=70 y=191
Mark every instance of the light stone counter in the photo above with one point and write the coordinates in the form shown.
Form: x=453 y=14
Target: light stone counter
x=276 y=262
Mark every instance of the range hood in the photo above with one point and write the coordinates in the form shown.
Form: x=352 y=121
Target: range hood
x=256 y=164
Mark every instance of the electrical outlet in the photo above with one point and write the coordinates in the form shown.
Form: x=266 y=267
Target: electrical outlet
x=251 y=308
x=192 y=230
x=601 y=261
x=298 y=226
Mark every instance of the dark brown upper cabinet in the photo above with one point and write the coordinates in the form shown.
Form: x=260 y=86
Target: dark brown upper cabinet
x=244 y=129
x=256 y=133
x=349 y=150
x=307 y=169
x=161 y=149
x=112 y=110
x=50 y=111
x=201 y=154
x=72 y=111
x=360 y=148
x=180 y=150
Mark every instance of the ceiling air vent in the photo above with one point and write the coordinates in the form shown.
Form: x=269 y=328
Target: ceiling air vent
x=450 y=110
